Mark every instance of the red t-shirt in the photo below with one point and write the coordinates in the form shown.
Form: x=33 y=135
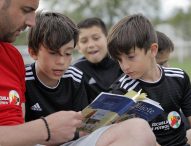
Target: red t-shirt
x=12 y=85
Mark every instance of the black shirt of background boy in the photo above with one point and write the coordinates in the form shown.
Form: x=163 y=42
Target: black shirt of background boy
x=98 y=77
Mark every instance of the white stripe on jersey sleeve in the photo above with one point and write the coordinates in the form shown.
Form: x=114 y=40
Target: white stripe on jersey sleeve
x=122 y=78
x=128 y=83
x=173 y=72
x=74 y=73
x=172 y=68
x=124 y=81
x=72 y=76
x=132 y=87
x=28 y=68
x=77 y=70
x=29 y=73
x=174 y=75
x=29 y=78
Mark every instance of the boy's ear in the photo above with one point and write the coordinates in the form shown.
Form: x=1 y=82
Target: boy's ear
x=154 y=49
x=32 y=53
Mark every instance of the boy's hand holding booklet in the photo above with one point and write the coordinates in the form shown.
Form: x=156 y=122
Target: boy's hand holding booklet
x=110 y=108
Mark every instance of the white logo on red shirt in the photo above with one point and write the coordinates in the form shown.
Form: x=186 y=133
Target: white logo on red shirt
x=14 y=97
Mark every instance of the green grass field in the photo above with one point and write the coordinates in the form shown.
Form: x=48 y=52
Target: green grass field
x=185 y=65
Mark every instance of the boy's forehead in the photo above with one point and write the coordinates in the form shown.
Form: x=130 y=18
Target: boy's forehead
x=68 y=46
x=90 y=30
x=65 y=47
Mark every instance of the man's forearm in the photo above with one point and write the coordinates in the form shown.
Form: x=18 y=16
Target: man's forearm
x=29 y=133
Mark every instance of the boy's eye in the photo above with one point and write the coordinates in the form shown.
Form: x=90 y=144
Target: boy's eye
x=83 y=41
x=96 y=38
x=50 y=52
x=68 y=54
x=131 y=57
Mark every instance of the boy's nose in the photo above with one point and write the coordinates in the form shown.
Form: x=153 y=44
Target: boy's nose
x=91 y=44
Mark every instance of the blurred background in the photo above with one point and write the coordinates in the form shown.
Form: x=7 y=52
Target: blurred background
x=172 y=17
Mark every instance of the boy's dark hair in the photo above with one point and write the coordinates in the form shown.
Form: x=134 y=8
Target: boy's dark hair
x=130 y=32
x=52 y=30
x=90 y=22
x=164 y=42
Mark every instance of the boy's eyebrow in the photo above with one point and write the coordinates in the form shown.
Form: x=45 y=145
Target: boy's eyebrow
x=92 y=35
x=69 y=48
x=82 y=38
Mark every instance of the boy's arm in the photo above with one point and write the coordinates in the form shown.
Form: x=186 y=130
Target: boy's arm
x=62 y=126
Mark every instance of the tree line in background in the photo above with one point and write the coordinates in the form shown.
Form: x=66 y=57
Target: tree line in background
x=112 y=11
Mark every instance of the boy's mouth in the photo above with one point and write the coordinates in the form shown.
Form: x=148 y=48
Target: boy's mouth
x=58 y=72
x=93 y=52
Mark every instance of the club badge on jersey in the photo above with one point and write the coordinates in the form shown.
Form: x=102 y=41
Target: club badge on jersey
x=12 y=99
x=174 y=119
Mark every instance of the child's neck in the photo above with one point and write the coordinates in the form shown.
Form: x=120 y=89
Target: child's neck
x=45 y=80
x=153 y=75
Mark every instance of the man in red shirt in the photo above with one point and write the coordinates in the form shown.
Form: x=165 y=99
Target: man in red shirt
x=15 y=16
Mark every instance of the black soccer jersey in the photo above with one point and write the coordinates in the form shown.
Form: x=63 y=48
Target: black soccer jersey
x=41 y=100
x=98 y=77
x=172 y=91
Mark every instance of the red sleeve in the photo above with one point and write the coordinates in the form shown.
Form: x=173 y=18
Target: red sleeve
x=22 y=76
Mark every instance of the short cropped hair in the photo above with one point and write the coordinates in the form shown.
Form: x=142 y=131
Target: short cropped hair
x=52 y=30
x=90 y=22
x=164 y=43
x=130 y=32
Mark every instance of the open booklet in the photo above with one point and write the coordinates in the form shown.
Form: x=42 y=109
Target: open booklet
x=110 y=108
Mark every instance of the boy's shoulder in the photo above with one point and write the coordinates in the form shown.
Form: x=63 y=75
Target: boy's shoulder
x=176 y=75
x=81 y=62
x=125 y=82
x=73 y=73
x=173 y=72
x=29 y=75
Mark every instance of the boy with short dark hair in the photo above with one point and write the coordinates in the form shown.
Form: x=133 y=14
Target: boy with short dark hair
x=99 y=69
x=133 y=43
x=51 y=85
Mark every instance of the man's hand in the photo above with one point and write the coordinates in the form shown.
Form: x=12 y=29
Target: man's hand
x=63 y=125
